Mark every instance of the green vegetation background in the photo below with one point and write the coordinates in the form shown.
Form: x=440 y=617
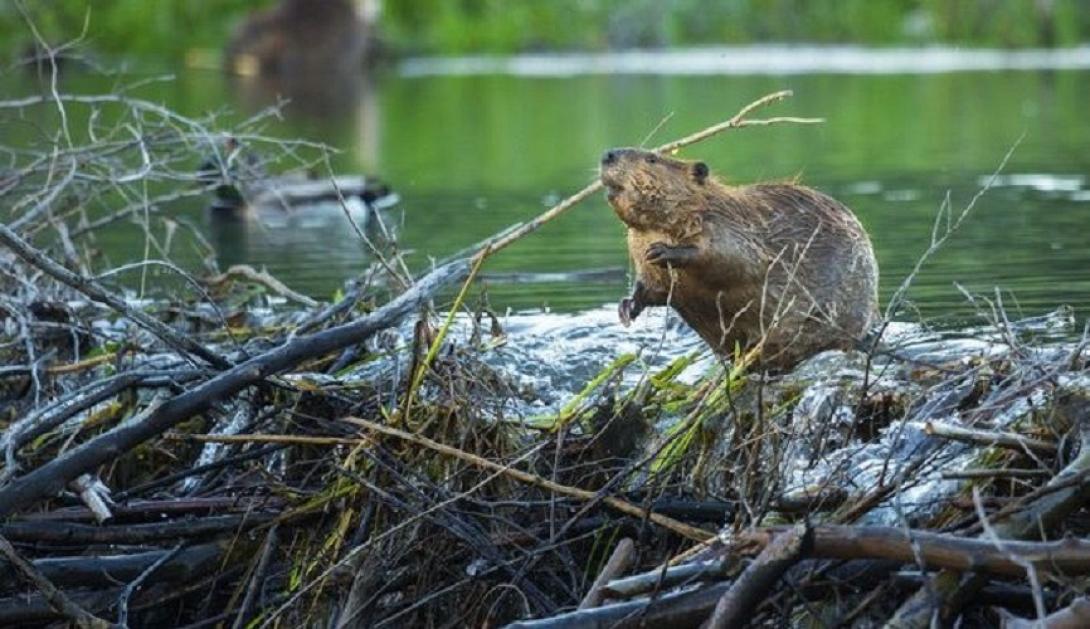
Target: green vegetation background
x=168 y=28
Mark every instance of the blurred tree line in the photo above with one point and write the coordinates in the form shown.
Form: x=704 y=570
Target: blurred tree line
x=171 y=27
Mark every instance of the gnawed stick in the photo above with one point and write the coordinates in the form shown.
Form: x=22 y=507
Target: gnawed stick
x=619 y=562
x=1009 y=440
x=615 y=503
x=753 y=585
x=57 y=599
x=673 y=576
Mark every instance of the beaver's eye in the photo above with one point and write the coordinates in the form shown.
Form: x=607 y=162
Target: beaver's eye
x=652 y=159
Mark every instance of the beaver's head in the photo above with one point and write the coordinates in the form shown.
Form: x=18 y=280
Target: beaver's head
x=652 y=191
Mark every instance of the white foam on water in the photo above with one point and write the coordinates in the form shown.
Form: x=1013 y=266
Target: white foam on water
x=772 y=59
x=1043 y=182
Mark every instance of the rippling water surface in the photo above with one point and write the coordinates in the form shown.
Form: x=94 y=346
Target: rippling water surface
x=472 y=152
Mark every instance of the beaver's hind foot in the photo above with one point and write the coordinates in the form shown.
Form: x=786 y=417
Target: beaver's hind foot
x=628 y=310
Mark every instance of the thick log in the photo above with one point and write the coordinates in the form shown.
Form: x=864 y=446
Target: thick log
x=53 y=476
x=156 y=510
x=56 y=599
x=939 y=550
x=108 y=571
x=64 y=533
x=22 y=610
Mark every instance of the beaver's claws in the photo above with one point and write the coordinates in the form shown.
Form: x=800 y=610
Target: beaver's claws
x=662 y=254
x=628 y=310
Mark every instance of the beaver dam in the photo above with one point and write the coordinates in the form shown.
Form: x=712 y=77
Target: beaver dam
x=210 y=448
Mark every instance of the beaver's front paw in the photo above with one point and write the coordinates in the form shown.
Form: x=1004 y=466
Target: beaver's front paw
x=662 y=254
x=629 y=309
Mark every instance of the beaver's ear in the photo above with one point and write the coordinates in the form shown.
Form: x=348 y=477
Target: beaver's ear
x=700 y=172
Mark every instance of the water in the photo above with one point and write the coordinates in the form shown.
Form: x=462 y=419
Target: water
x=471 y=153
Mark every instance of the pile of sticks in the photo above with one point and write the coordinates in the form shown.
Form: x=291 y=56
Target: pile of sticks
x=181 y=460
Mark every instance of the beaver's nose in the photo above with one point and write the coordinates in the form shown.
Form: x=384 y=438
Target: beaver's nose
x=610 y=156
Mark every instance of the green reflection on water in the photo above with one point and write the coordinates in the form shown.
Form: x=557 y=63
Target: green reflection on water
x=471 y=155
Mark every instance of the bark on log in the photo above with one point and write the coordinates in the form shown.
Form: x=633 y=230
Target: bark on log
x=63 y=533
x=938 y=550
x=108 y=571
x=52 y=477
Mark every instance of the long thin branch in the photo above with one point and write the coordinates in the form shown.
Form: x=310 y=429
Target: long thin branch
x=1009 y=440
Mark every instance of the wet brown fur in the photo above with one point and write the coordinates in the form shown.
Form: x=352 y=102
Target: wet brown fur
x=777 y=261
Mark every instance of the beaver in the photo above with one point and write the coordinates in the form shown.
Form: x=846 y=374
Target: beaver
x=299 y=37
x=776 y=263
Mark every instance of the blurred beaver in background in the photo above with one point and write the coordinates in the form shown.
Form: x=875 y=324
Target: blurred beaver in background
x=299 y=37
x=776 y=262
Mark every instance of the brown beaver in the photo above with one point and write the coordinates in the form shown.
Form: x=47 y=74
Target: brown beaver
x=299 y=38
x=778 y=261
